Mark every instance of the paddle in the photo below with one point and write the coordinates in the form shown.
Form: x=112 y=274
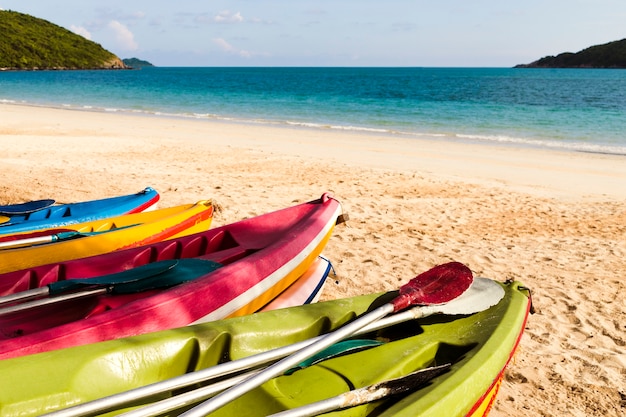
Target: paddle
x=482 y=294
x=25 y=208
x=438 y=285
x=146 y=277
x=54 y=237
x=192 y=397
x=368 y=394
x=31 y=234
x=128 y=275
x=374 y=392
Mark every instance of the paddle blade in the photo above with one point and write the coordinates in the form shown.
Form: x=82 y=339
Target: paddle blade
x=186 y=270
x=25 y=208
x=157 y=275
x=411 y=382
x=481 y=295
x=438 y=285
x=130 y=275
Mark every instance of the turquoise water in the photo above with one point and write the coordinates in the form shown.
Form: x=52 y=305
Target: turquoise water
x=575 y=109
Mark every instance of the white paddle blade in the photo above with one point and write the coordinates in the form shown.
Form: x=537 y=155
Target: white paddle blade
x=481 y=295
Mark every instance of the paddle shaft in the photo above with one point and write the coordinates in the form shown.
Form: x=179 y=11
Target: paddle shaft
x=438 y=285
x=483 y=294
x=29 y=241
x=350 y=399
x=367 y=394
x=231 y=384
x=47 y=301
x=132 y=396
x=55 y=237
x=288 y=362
x=122 y=277
x=156 y=275
x=25 y=295
x=187 y=398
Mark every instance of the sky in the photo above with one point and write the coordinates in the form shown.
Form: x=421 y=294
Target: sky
x=415 y=33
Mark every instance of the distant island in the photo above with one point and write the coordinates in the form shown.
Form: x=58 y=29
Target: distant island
x=608 y=55
x=136 y=63
x=29 y=43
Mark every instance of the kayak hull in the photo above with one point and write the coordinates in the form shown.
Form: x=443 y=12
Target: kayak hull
x=260 y=257
x=479 y=347
x=306 y=290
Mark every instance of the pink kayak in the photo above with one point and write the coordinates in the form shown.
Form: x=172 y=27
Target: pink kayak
x=231 y=270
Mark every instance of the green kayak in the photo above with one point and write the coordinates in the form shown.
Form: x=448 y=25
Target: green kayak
x=478 y=347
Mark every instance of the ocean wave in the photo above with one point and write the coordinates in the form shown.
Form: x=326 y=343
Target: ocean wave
x=567 y=145
x=545 y=143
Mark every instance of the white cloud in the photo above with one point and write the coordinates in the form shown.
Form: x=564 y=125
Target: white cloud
x=226 y=16
x=79 y=30
x=223 y=17
x=123 y=36
x=227 y=47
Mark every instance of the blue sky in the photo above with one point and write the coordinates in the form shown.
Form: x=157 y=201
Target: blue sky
x=457 y=33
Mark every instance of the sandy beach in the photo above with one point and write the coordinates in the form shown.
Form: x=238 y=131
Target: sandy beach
x=553 y=220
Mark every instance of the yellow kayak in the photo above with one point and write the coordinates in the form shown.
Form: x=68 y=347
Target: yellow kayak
x=26 y=250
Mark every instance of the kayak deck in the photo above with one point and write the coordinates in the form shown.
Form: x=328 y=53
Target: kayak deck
x=478 y=346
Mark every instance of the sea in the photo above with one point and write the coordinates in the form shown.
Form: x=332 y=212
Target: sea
x=567 y=109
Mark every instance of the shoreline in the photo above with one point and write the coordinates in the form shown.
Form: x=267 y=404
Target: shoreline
x=553 y=220
x=567 y=173
x=453 y=138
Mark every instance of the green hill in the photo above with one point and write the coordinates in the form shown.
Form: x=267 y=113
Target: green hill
x=136 y=63
x=608 y=55
x=27 y=43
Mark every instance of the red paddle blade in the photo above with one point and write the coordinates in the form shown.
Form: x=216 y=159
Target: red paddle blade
x=438 y=285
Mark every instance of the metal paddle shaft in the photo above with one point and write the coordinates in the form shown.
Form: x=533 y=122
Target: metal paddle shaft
x=442 y=283
x=55 y=236
x=199 y=394
x=31 y=241
x=157 y=275
x=134 y=274
x=482 y=294
x=185 y=399
x=371 y=393
x=47 y=301
x=374 y=392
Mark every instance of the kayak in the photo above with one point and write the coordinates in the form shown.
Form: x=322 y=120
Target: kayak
x=124 y=374
x=306 y=290
x=45 y=214
x=231 y=270
x=26 y=250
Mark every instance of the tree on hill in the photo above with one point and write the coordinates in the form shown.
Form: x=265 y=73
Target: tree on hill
x=136 y=63
x=608 y=55
x=27 y=42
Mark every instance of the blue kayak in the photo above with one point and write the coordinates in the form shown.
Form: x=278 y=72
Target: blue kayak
x=45 y=214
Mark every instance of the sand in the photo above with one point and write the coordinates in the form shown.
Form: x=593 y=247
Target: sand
x=553 y=220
